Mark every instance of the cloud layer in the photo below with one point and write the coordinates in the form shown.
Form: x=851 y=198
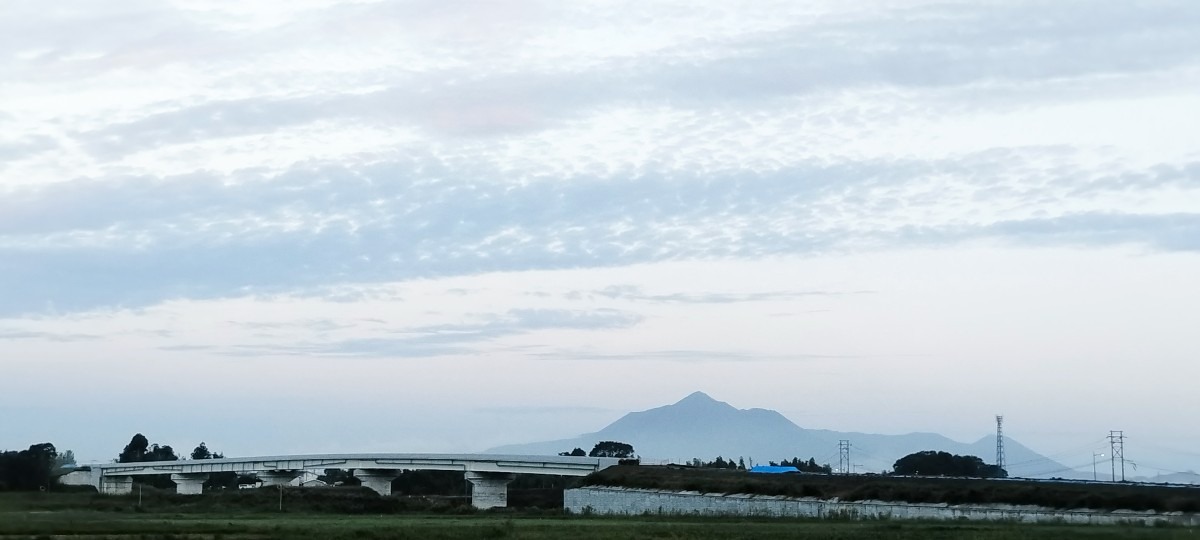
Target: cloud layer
x=498 y=185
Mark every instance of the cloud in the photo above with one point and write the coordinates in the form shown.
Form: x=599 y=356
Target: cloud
x=450 y=339
x=187 y=348
x=683 y=355
x=634 y=293
x=143 y=240
x=540 y=410
x=25 y=146
x=528 y=135
x=500 y=83
x=320 y=326
x=46 y=336
x=1170 y=232
x=946 y=45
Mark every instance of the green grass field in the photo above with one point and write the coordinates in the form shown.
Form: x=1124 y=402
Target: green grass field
x=38 y=516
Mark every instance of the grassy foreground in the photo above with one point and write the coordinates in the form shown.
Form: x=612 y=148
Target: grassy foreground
x=41 y=516
x=95 y=525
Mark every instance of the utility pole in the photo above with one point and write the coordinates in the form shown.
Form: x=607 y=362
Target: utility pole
x=844 y=456
x=999 y=442
x=1116 y=444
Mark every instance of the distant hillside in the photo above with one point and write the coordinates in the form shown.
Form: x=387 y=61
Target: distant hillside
x=1173 y=478
x=702 y=427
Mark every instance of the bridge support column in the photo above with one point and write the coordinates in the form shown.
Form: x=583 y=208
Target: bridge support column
x=488 y=489
x=189 y=483
x=377 y=480
x=277 y=478
x=116 y=485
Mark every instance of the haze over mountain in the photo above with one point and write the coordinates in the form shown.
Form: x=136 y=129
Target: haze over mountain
x=699 y=426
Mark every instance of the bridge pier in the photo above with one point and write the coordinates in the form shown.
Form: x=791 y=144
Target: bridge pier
x=377 y=480
x=115 y=485
x=489 y=489
x=277 y=478
x=189 y=483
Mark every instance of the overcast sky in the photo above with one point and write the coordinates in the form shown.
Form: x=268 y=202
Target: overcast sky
x=320 y=225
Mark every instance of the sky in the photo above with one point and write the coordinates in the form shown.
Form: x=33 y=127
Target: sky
x=313 y=226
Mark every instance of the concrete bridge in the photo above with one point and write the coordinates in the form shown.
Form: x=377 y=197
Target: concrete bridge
x=489 y=474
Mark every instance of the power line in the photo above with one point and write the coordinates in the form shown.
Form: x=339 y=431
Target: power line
x=1063 y=454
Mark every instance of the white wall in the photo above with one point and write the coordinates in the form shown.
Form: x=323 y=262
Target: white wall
x=608 y=500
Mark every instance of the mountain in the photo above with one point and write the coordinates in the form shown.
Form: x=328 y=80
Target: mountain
x=699 y=426
x=1188 y=477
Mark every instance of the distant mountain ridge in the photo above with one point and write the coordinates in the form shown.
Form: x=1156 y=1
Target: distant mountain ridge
x=699 y=426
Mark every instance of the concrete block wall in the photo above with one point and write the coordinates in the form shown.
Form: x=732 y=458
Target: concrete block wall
x=626 y=501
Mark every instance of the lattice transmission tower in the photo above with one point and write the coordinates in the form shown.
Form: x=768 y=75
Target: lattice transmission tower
x=1000 y=441
x=1116 y=444
x=844 y=456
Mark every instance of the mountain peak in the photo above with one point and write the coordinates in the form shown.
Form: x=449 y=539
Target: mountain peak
x=696 y=397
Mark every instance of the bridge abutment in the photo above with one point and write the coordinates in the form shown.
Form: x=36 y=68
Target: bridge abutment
x=489 y=489
x=377 y=480
x=189 y=483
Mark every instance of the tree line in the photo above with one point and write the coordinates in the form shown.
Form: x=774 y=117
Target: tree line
x=609 y=449
x=38 y=467
x=140 y=449
x=934 y=463
x=924 y=463
x=33 y=469
x=625 y=451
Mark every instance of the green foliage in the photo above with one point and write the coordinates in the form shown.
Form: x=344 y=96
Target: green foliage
x=221 y=480
x=28 y=470
x=135 y=451
x=439 y=483
x=577 y=452
x=809 y=466
x=64 y=462
x=932 y=463
x=139 y=449
x=317 y=514
x=339 y=477
x=202 y=452
x=612 y=449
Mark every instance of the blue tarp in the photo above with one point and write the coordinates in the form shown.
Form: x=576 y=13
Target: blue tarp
x=768 y=469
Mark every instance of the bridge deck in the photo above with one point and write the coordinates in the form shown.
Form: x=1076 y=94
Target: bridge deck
x=499 y=463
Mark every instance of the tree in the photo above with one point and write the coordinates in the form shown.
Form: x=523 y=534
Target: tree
x=28 y=470
x=577 y=452
x=135 y=451
x=220 y=480
x=612 y=449
x=64 y=461
x=339 y=477
x=935 y=463
x=161 y=453
x=809 y=466
x=719 y=463
x=139 y=449
x=202 y=452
